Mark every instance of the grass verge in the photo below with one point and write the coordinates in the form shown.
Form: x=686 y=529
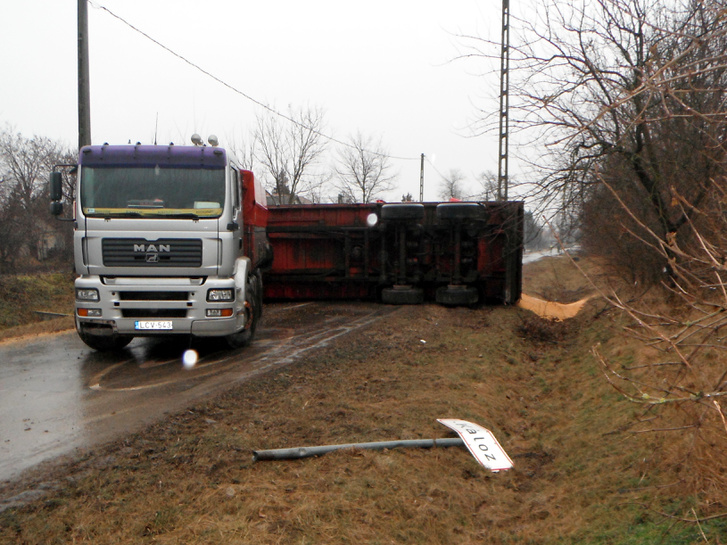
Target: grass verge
x=31 y=304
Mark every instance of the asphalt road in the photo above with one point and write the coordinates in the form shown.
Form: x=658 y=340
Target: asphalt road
x=57 y=395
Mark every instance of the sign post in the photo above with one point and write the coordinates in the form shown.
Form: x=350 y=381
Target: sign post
x=481 y=444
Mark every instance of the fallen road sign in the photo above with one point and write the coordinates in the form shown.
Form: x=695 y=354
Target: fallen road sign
x=308 y=452
x=481 y=444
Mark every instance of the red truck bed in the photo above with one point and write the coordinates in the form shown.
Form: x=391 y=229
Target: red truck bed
x=452 y=253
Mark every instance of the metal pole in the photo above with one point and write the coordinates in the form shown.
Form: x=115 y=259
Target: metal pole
x=502 y=174
x=84 y=95
x=308 y=452
x=421 y=181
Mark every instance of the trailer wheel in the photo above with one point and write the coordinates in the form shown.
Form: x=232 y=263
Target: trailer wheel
x=404 y=211
x=402 y=295
x=104 y=343
x=458 y=210
x=457 y=295
x=253 y=309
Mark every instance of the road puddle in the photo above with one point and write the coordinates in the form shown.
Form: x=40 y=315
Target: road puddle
x=162 y=364
x=154 y=365
x=551 y=310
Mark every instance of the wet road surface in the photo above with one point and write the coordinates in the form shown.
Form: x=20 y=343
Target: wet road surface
x=57 y=395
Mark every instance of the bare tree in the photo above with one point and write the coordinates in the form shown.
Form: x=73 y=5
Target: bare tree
x=25 y=165
x=243 y=150
x=683 y=386
x=488 y=186
x=628 y=97
x=451 y=186
x=363 y=169
x=629 y=88
x=533 y=232
x=288 y=149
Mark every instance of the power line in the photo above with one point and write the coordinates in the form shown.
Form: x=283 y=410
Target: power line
x=238 y=91
x=435 y=168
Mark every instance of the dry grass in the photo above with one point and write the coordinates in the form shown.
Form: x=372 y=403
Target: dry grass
x=30 y=304
x=557 y=279
x=578 y=476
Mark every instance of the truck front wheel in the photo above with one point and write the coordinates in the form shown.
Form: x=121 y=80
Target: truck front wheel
x=253 y=311
x=103 y=343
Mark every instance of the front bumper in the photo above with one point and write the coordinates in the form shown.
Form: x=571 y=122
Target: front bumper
x=158 y=306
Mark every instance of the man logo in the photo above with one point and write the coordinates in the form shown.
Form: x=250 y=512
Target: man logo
x=152 y=251
x=161 y=248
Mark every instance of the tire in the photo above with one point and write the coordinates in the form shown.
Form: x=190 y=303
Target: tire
x=254 y=310
x=457 y=296
x=398 y=212
x=104 y=343
x=402 y=296
x=458 y=211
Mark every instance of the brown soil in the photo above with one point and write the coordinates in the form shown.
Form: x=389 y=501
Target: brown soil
x=551 y=310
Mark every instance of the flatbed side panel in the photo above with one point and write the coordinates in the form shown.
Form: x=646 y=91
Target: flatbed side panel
x=325 y=251
x=335 y=251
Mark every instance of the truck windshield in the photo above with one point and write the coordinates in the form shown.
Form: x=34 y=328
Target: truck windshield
x=152 y=192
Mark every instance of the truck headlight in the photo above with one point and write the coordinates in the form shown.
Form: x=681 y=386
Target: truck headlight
x=219 y=295
x=87 y=294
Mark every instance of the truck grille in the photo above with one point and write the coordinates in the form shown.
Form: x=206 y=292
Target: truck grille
x=154 y=313
x=153 y=296
x=139 y=252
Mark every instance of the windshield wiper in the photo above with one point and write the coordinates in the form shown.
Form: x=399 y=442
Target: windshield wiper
x=180 y=215
x=124 y=214
x=150 y=214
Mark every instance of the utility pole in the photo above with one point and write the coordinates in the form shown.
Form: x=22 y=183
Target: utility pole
x=502 y=175
x=84 y=95
x=421 y=181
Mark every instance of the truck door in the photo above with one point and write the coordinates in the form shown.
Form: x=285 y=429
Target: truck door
x=236 y=225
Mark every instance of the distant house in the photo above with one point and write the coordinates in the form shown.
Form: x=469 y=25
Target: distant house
x=276 y=200
x=51 y=241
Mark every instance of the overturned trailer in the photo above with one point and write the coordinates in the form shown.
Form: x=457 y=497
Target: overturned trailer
x=399 y=253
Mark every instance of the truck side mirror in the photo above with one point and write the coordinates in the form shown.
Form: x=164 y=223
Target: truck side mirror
x=56 y=208
x=56 y=186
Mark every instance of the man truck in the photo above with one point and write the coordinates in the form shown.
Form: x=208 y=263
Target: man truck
x=173 y=240
x=168 y=240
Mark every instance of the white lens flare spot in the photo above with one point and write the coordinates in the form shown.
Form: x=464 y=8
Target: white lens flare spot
x=189 y=359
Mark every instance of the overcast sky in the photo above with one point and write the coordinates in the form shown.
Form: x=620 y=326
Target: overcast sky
x=382 y=67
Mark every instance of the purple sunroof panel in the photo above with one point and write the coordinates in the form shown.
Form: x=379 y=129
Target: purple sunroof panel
x=150 y=156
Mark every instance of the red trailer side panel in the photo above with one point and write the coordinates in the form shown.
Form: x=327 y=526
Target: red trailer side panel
x=455 y=253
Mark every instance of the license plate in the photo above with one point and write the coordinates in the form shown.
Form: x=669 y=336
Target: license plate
x=152 y=325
